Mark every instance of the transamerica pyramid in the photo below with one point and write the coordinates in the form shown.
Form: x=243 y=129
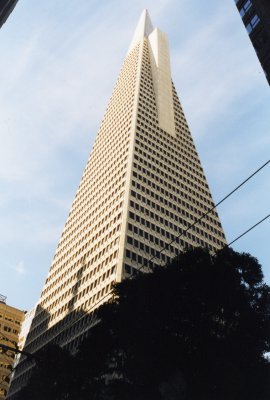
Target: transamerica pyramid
x=143 y=185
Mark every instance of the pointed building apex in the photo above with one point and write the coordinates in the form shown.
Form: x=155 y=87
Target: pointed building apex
x=144 y=28
x=146 y=23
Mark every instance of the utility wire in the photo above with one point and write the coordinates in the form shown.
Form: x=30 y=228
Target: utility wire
x=109 y=293
x=250 y=229
x=181 y=234
x=17 y=351
x=5 y=356
x=204 y=215
x=5 y=338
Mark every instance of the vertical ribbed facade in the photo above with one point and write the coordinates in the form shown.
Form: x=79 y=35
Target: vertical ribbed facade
x=142 y=186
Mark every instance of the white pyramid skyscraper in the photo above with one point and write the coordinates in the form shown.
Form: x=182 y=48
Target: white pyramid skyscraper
x=142 y=186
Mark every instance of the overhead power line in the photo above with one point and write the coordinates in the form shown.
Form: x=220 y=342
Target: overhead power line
x=15 y=350
x=91 y=310
x=248 y=230
x=205 y=214
x=109 y=293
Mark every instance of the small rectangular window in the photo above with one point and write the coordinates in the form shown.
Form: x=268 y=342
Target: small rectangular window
x=128 y=268
x=253 y=23
x=247 y=5
x=255 y=20
x=248 y=28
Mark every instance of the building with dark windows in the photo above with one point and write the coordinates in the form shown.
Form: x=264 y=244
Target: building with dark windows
x=10 y=325
x=255 y=15
x=143 y=185
x=6 y=8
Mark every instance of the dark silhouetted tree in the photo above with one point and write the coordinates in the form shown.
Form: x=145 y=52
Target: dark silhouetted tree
x=54 y=378
x=196 y=329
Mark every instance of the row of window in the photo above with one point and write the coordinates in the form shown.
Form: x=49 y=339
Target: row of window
x=73 y=241
x=9 y=329
x=79 y=283
x=5 y=365
x=91 y=261
x=172 y=175
x=158 y=229
x=158 y=167
x=146 y=262
x=162 y=204
x=110 y=141
x=173 y=147
x=62 y=272
x=71 y=231
x=86 y=225
x=174 y=189
x=129 y=270
x=145 y=110
x=23 y=370
x=34 y=336
x=247 y=5
x=152 y=251
x=176 y=229
x=195 y=173
x=10 y=319
x=88 y=194
x=75 y=250
x=166 y=198
x=253 y=23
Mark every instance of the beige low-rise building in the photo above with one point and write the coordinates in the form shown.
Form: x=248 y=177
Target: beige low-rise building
x=10 y=324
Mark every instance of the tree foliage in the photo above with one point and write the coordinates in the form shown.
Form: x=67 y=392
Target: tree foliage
x=53 y=376
x=196 y=329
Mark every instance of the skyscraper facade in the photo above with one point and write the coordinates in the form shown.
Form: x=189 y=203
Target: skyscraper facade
x=255 y=15
x=143 y=185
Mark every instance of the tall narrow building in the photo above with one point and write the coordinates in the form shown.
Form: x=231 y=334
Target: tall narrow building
x=142 y=186
x=255 y=15
x=6 y=8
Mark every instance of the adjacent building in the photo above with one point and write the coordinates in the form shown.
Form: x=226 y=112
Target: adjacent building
x=25 y=329
x=143 y=185
x=255 y=15
x=10 y=324
x=6 y=8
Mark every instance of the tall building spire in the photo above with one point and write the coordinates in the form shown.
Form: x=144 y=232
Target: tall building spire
x=142 y=186
x=160 y=66
x=143 y=29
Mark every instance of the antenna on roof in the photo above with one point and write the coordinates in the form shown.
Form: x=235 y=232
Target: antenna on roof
x=3 y=298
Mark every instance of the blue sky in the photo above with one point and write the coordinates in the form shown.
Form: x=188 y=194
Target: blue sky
x=59 y=63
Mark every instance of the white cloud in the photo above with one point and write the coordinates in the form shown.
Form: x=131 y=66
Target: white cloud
x=19 y=268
